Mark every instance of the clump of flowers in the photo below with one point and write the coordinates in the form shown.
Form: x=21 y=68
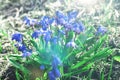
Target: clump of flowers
x=59 y=42
x=20 y=45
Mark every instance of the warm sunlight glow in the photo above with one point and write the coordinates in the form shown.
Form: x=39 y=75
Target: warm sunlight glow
x=88 y=2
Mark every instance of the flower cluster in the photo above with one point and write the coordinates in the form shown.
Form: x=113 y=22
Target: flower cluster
x=53 y=31
x=18 y=37
x=65 y=22
x=54 y=73
x=59 y=31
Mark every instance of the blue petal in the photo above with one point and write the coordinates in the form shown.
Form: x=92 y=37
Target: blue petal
x=51 y=76
x=56 y=61
x=82 y=27
x=101 y=30
x=56 y=72
x=71 y=44
x=18 y=37
x=51 y=20
x=46 y=22
x=33 y=22
x=59 y=14
x=78 y=27
x=29 y=22
x=21 y=47
x=47 y=36
x=61 y=18
x=36 y=34
x=54 y=40
x=42 y=67
x=72 y=14
x=26 y=53
x=68 y=25
x=26 y=20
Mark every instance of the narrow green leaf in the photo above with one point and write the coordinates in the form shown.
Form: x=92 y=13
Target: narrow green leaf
x=35 y=45
x=81 y=44
x=79 y=64
x=117 y=58
x=85 y=68
x=0 y=47
x=102 y=76
x=101 y=54
x=19 y=66
x=18 y=76
x=41 y=61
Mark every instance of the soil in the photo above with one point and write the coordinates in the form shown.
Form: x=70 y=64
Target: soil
x=9 y=74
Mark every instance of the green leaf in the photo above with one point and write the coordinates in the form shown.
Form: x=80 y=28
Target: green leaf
x=0 y=47
x=99 y=55
x=40 y=60
x=88 y=66
x=37 y=79
x=19 y=66
x=74 y=72
x=81 y=44
x=102 y=76
x=35 y=45
x=78 y=64
x=18 y=75
x=117 y=58
x=82 y=37
x=94 y=49
x=15 y=57
x=100 y=42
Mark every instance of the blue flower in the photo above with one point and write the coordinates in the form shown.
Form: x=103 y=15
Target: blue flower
x=47 y=36
x=51 y=76
x=36 y=34
x=29 y=22
x=33 y=22
x=46 y=19
x=54 y=40
x=26 y=53
x=82 y=27
x=78 y=27
x=44 y=25
x=17 y=37
x=59 y=14
x=56 y=72
x=72 y=15
x=46 y=22
x=42 y=67
x=21 y=47
x=71 y=44
x=68 y=26
x=61 y=18
x=26 y=20
x=56 y=62
x=51 y=21
x=101 y=30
